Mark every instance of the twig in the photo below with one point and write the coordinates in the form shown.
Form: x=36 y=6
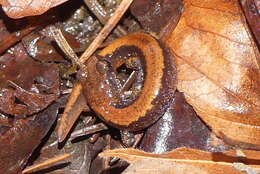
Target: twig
x=103 y=16
x=89 y=130
x=138 y=138
x=64 y=45
x=120 y=11
x=96 y=8
x=46 y=163
x=129 y=82
x=81 y=132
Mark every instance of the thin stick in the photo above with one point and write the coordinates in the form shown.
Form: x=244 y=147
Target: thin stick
x=96 y=8
x=84 y=131
x=103 y=16
x=129 y=82
x=120 y=11
x=89 y=130
x=64 y=45
x=46 y=163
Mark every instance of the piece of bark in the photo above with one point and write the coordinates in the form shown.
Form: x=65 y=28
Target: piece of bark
x=74 y=107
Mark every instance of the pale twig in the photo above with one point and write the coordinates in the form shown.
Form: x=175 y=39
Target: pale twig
x=46 y=163
x=94 y=129
x=120 y=11
x=89 y=130
x=103 y=16
x=64 y=45
x=129 y=82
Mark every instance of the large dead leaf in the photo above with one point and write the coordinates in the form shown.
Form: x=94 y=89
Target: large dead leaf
x=146 y=166
x=218 y=68
x=184 y=160
x=22 y=8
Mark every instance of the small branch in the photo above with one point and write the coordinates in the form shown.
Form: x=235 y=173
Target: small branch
x=129 y=82
x=81 y=132
x=96 y=8
x=88 y=130
x=120 y=11
x=103 y=16
x=64 y=45
x=47 y=163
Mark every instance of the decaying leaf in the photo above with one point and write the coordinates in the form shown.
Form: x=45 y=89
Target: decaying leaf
x=40 y=47
x=146 y=166
x=155 y=15
x=7 y=38
x=26 y=86
x=19 y=141
x=185 y=160
x=218 y=68
x=82 y=153
x=22 y=8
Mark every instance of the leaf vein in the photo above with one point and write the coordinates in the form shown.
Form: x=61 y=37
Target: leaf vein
x=215 y=9
x=213 y=81
x=217 y=34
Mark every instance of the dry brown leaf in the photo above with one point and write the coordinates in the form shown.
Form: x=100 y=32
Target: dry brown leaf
x=218 y=68
x=19 y=141
x=26 y=86
x=152 y=166
x=185 y=160
x=22 y=8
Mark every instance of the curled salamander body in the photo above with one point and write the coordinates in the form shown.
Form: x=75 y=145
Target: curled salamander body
x=130 y=83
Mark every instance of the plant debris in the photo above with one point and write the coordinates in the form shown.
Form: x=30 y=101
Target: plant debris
x=211 y=120
x=27 y=86
x=185 y=160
